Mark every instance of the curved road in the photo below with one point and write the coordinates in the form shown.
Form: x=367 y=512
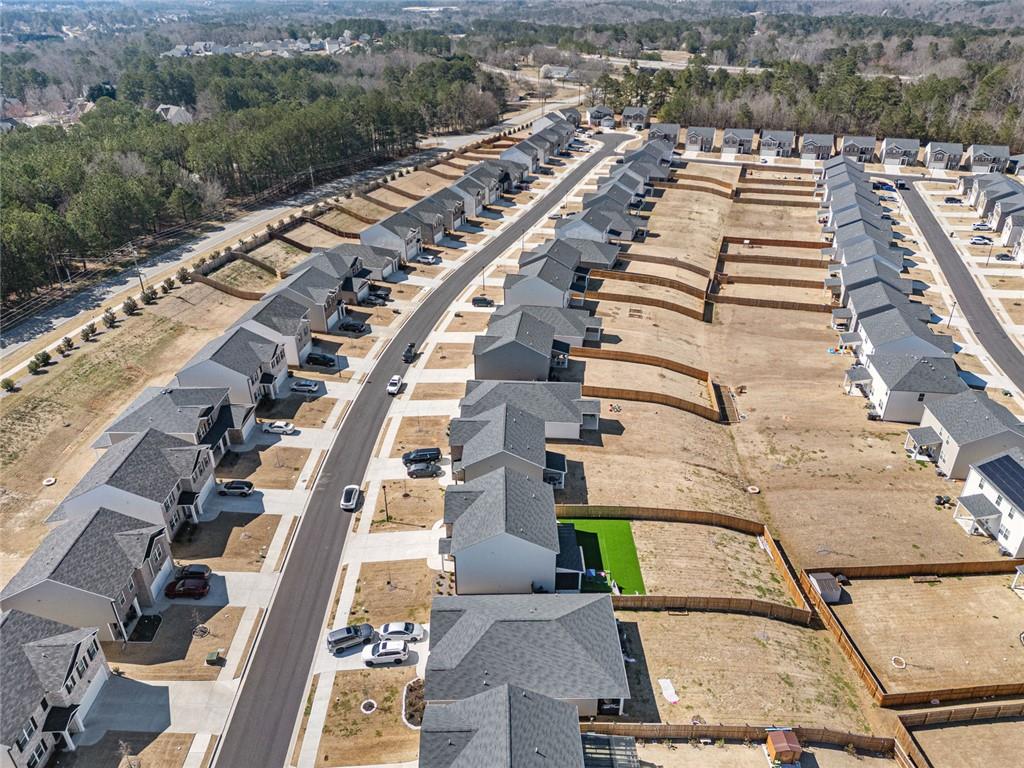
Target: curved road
x=260 y=728
x=971 y=302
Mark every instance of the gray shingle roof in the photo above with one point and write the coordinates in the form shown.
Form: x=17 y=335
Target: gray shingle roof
x=564 y=320
x=632 y=112
x=503 y=428
x=400 y=224
x=239 y=350
x=501 y=501
x=916 y=373
x=867 y=271
x=281 y=313
x=552 y=401
x=550 y=271
x=96 y=553
x=520 y=329
x=704 y=132
x=570 y=557
x=503 y=727
x=35 y=657
x=893 y=325
x=564 y=645
x=173 y=410
x=971 y=416
x=879 y=296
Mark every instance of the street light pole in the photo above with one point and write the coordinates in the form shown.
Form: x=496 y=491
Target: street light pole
x=951 y=311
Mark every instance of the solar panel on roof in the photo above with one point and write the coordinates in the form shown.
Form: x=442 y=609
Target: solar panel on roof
x=1007 y=474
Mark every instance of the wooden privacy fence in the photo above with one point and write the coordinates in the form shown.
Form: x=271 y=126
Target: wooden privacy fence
x=401 y=193
x=594 y=353
x=656 y=398
x=794 y=170
x=705 y=179
x=776 y=261
x=646 y=301
x=801 y=306
x=666 y=261
x=258 y=263
x=785 y=282
x=685 y=732
x=765 y=608
x=386 y=206
x=445 y=176
x=727 y=194
x=328 y=228
x=290 y=241
x=230 y=290
x=814 y=244
x=969 y=568
x=908 y=751
x=768 y=201
x=802 y=192
x=638 y=277
x=357 y=216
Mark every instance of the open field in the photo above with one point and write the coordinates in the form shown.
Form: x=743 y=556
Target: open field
x=393 y=591
x=175 y=654
x=441 y=391
x=232 y=541
x=649 y=378
x=729 y=668
x=974 y=745
x=301 y=410
x=731 y=755
x=411 y=505
x=351 y=738
x=608 y=546
x=688 y=559
x=420 y=432
x=447 y=355
x=46 y=428
x=152 y=750
x=272 y=466
x=957 y=632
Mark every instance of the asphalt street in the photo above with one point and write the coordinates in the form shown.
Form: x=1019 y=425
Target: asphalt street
x=270 y=699
x=969 y=299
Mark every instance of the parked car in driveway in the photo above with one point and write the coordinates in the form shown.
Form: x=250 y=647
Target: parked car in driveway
x=194 y=571
x=394 y=385
x=372 y=300
x=349 y=637
x=980 y=226
x=482 y=301
x=980 y=240
x=279 y=427
x=235 y=488
x=350 y=497
x=953 y=201
x=401 y=630
x=386 y=652
x=194 y=588
x=421 y=456
x=321 y=360
x=305 y=386
x=424 y=469
x=426 y=258
x=1003 y=257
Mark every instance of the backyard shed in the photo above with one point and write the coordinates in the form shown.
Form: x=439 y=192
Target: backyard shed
x=783 y=746
x=826 y=585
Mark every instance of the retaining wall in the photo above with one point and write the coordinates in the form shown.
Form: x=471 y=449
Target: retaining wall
x=665 y=260
x=639 y=277
x=645 y=301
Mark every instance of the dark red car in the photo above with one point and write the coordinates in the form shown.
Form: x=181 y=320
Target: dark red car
x=194 y=588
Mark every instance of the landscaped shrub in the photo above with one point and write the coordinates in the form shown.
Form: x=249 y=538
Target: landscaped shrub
x=130 y=306
x=88 y=332
x=33 y=366
x=43 y=358
x=7 y=385
x=109 y=318
x=183 y=275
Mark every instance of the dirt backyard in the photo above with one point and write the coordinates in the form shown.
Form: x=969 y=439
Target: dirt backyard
x=977 y=745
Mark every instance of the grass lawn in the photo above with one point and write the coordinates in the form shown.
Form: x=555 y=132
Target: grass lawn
x=608 y=546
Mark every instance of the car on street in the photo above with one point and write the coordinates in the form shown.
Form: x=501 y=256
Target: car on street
x=353 y=325
x=401 y=630
x=321 y=360
x=194 y=588
x=482 y=301
x=953 y=201
x=350 y=498
x=980 y=240
x=194 y=571
x=421 y=456
x=409 y=355
x=385 y=652
x=279 y=427
x=980 y=226
x=305 y=386
x=424 y=469
x=394 y=385
x=350 y=637
x=235 y=488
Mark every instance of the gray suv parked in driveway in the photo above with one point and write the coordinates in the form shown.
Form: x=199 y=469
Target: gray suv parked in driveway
x=350 y=636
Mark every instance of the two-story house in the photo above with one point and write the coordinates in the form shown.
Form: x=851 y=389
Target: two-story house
x=943 y=155
x=518 y=347
x=319 y=292
x=700 y=138
x=284 y=321
x=992 y=501
x=250 y=365
x=859 y=148
x=737 y=141
x=399 y=232
x=896 y=151
x=776 y=143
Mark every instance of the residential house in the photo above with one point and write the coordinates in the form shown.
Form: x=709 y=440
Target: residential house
x=474 y=194
x=553 y=72
x=1013 y=229
x=284 y=321
x=894 y=333
x=962 y=430
x=880 y=296
x=479 y=642
x=700 y=139
x=50 y=675
x=510 y=174
x=100 y=569
x=547 y=120
x=601 y=115
x=545 y=148
x=571 y=114
x=572 y=327
x=900 y=151
x=504 y=436
x=859 y=148
x=560 y=404
x=502 y=533
x=1001 y=213
x=992 y=501
x=943 y=155
x=987 y=196
x=250 y=365
x=502 y=727
x=349 y=261
x=399 y=232
x=987 y=158
x=634 y=117
x=600 y=222
x=575 y=253
x=317 y=292
x=544 y=282
x=899 y=386
x=431 y=218
x=450 y=205
x=667 y=131
x=174 y=114
x=817 y=146
x=494 y=175
x=867 y=271
x=199 y=415
x=153 y=477
x=776 y=143
x=518 y=347
x=971 y=187
x=524 y=154
x=737 y=141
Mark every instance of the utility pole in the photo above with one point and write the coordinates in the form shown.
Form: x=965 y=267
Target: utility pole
x=950 y=319
x=135 y=261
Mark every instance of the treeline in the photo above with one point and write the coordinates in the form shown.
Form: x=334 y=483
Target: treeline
x=858 y=27
x=123 y=171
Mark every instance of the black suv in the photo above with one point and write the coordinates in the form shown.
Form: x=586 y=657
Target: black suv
x=482 y=301
x=320 y=359
x=421 y=456
x=409 y=356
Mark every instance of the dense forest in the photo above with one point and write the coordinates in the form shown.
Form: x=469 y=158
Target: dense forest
x=123 y=171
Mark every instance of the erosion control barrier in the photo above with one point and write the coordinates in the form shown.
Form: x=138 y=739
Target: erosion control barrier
x=748 y=607
x=666 y=261
x=632 y=357
x=656 y=398
x=646 y=301
x=639 y=277
x=685 y=732
x=380 y=203
x=812 y=244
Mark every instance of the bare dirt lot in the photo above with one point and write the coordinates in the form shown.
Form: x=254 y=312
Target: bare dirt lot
x=175 y=653
x=1001 y=283
x=650 y=378
x=959 y=632
x=345 y=345
x=469 y=322
x=394 y=591
x=411 y=505
x=653 y=331
x=778 y=292
x=420 y=432
x=266 y=466
x=233 y=541
x=405 y=291
x=682 y=755
x=977 y=745
x=441 y=391
x=728 y=668
x=245 y=275
x=756 y=220
x=298 y=409
x=152 y=750
x=451 y=356
x=1015 y=309
x=314 y=236
x=686 y=559
x=345 y=223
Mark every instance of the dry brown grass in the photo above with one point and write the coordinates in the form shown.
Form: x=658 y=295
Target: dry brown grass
x=1001 y=283
x=451 y=356
x=233 y=541
x=649 y=378
x=411 y=505
x=1015 y=309
x=420 y=432
x=977 y=745
x=152 y=750
x=442 y=391
x=266 y=466
x=394 y=591
x=682 y=755
x=316 y=237
x=653 y=331
x=469 y=322
x=298 y=409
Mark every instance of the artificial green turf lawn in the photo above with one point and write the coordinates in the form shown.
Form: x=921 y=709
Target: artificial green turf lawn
x=608 y=545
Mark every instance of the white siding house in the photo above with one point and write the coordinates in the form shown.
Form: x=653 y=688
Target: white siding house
x=992 y=501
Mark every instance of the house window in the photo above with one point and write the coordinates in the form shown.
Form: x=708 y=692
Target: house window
x=69 y=686
x=1011 y=513
x=94 y=648
x=81 y=666
x=999 y=499
x=981 y=484
x=1004 y=532
x=120 y=598
x=920 y=397
x=37 y=754
x=26 y=733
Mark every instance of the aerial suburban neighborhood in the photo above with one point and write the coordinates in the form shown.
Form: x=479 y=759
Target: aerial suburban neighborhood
x=458 y=404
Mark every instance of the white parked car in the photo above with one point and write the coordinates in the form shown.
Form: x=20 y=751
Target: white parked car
x=386 y=652
x=279 y=427
x=980 y=240
x=394 y=385
x=426 y=258
x=401 y=630
x=350 y=497
x=305 y=386
x=980 y=226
